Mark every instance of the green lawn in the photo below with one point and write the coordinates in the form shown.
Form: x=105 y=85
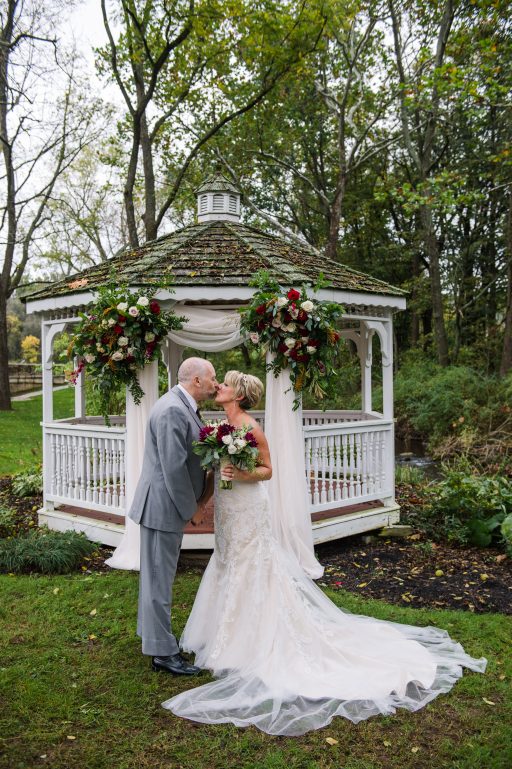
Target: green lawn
x=76 y=692
x=21 y=433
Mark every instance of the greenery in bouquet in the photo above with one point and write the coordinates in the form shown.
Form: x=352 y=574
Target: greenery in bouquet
x=299 y=329
x=221 y=443
x=120 y=333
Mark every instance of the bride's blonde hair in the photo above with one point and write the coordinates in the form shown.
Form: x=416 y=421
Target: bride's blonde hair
x=245 y=386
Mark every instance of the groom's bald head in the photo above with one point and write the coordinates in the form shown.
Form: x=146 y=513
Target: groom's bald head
x=197 y=376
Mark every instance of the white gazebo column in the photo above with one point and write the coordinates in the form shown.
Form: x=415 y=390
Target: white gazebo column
x=49 y=330
x=365 y=357
x=384 y=328
x=79 y=393
x=172 y=355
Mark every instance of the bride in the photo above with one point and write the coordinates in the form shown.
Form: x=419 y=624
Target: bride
x=286 y=659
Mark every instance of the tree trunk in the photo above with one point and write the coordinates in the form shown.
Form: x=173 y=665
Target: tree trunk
x=5 y=390
x=432 y=252
x=331 y=250
x=506 y=355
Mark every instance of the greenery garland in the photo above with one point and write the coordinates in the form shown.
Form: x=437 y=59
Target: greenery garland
x=119 y=334
x=300 y=330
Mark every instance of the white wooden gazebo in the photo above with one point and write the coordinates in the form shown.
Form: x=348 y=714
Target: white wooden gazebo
x=349 y=455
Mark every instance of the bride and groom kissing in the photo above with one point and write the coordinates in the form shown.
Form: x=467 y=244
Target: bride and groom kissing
x=285 y=658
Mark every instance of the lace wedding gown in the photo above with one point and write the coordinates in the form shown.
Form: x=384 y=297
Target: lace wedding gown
x=287 y=659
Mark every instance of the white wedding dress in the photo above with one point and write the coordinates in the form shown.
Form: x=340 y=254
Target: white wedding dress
x=286 y=658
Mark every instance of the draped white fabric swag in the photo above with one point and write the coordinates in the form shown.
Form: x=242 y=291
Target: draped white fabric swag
x=213 y=331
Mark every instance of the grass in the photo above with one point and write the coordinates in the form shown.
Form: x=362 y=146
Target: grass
x=21 y=432
x=75 y=692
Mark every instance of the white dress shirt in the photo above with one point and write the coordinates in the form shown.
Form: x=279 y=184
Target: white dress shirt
x=188 y=396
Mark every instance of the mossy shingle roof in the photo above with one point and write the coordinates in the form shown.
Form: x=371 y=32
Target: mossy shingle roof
x=217 y=253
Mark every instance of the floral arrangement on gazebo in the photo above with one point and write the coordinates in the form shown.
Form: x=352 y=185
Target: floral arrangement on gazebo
x=120 y=333
x=298 y=329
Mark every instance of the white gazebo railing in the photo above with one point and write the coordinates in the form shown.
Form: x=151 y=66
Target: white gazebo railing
x=85 y=464
x=349 y=460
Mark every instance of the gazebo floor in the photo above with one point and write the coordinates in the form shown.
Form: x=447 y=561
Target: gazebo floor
x=328 y=525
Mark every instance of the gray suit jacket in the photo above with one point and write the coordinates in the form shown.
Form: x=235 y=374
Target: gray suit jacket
x=172 y=479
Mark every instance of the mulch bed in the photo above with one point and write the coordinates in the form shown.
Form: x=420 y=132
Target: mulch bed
x=410 y=571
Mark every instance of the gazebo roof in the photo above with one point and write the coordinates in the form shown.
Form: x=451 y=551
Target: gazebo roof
x=217 y=253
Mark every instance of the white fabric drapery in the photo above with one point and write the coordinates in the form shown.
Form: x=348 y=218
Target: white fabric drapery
x=127 y=554
x=291 y=520
x=213 y=331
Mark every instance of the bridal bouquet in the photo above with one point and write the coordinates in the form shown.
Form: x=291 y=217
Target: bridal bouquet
x=222 y=444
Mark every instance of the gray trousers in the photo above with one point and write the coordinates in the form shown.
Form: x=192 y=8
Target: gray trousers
x=159 y=552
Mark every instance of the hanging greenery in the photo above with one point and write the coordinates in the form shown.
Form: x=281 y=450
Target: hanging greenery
x=299 y=329
x=119 y=334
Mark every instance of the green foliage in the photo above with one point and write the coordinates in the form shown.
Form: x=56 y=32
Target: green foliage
x=409 y=475
x=506 y=532
x=29 y=483
x=451 y=408
x=465 y=508
x=45 y=551
x=7 y=521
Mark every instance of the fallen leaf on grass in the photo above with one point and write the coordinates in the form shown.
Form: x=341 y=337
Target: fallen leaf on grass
x=363 y=584
x=56 y=590
x=93 y=613
x=488 y=702
x=331 y=741
x=414 y=750
x=500 y=558
x=483 y=577
x=92 y=637
x=71 y=737
x=386 y=743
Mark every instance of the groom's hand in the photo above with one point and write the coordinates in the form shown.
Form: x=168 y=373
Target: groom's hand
x=198 y=516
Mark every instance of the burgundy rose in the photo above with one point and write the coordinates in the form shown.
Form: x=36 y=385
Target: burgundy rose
x=287 y=317
x=118 y=329
x=293 y=295
x=205 y=431
x=302 y=316
x=282 y=347
x=224 y=430
x=154 y=307
x=251 y=440
x=121 y=319
x=261 y=309
x=314 y=342
x=260 y=325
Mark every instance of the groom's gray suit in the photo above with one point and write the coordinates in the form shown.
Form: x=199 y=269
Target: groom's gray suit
x=171 y=482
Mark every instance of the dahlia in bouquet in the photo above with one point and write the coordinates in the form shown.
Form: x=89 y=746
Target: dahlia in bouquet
x=221 y=444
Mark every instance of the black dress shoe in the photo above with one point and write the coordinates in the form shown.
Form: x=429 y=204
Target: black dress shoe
x=175 y=664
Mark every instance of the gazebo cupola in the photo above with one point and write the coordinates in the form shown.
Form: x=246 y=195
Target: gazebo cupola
x=218 y=199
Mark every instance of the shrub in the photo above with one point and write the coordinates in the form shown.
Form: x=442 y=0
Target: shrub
x=28 y=484
x=465 y=508
x=45 y=551
x=506 y=533
x=7 y=522
x=409 y=474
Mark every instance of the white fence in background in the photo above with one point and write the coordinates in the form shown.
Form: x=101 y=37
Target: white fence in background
x=349 y=459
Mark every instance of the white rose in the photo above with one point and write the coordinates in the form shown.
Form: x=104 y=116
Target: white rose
x=307 y=306
x=89 y=357
x=99 y=347
x=294 y=313
x=118 y=355
x=232 y=449
x=122 y=341
x=291 y=327
x=143 y=301
x=122 y=306
x=149 y=337
x=305 y=339
x=282 y=301
x=227 y=439
x=289 y=342
x=111 y=322
x=131 y=350
x=133 y=311
x=254 y=337
x=311 y=350
x=276 y=322
x=240 y=442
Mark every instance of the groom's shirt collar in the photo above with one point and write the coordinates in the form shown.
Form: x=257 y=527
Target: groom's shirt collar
x=188 y=396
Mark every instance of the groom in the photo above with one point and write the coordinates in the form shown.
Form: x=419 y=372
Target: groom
x=170 y=486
